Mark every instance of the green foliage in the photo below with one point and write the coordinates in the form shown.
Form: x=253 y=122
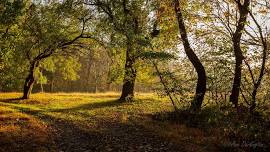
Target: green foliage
x=9 y=11
x=40 y=31
x=69 y=68
x=151 y=55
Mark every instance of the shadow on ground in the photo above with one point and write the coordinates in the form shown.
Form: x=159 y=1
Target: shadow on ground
x=66 y=135
x=90 y=106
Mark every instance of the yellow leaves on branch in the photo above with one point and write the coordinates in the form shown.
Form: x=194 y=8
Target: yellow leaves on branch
x=263 y=11
x=227 y=14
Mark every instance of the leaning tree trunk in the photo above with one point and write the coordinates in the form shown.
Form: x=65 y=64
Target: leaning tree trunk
x=259 y=81
x=201 y=83
x=262 y=70
x=130 y=76
x=29 y=81
x=243 y=10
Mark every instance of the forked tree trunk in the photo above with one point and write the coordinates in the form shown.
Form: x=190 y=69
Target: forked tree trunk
x=201 y=83
x=129 y=77
x=243 y=10
x=29 y=81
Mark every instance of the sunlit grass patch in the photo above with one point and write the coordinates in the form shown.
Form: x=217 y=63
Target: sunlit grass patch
x=10 y=95
x=82 y=107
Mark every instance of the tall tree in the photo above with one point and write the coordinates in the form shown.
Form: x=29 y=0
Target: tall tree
x=201 y=83
x=243 y=11
x=129 y=19
x=260 y=40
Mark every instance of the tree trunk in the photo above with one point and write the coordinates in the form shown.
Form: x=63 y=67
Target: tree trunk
x=52 y=84
x=253 y=102
x=258 y=83
x=243 y=10
x=165 y=86
x=29 y=81
x=130 y=76
x=201 y=83
x=262 y=70
x=237 y=79
x=41 y=88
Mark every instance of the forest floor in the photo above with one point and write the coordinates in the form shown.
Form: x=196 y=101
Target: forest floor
x=97 y=122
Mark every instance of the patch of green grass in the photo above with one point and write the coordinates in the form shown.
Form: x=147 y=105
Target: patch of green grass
x=79 y=108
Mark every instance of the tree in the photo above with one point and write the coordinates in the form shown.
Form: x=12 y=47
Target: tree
x=261 y=41
x=129 y=19
x=201 y=83
x=252 y=39
x=46 y=31
x=243 y=11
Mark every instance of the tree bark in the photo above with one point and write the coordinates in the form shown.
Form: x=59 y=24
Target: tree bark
x=130 y=76
x=201 y=83
x=41 y=88
x=29 y=81
x=243 y=10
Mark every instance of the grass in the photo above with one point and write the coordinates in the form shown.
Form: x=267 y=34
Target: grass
x=97 y=122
